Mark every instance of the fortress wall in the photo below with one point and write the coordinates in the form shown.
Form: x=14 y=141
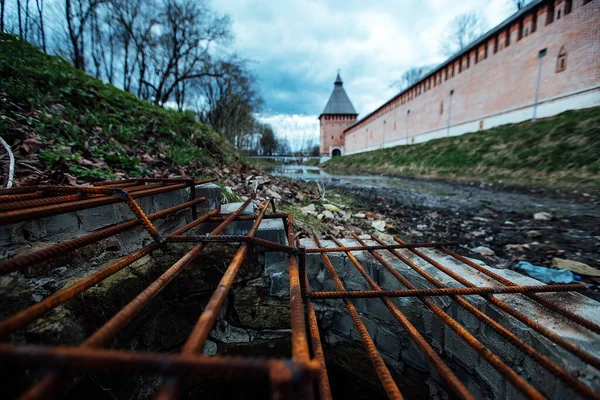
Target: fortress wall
x=498 y=87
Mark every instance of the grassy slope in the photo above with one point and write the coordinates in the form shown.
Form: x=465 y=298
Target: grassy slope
x=559 y=151
x=78 y=118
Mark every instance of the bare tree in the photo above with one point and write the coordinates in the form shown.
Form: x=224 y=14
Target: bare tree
x=228 y=102
x=463 y=31
x=181 y=51
x=2 y=5
x=412 y=76
x=39 y=4
x=268 y=143
x=20 y=18
x=78 y=14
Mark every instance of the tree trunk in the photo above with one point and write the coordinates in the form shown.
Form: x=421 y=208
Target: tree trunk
x=19 y=17
x=40 y=7
x=1 y=15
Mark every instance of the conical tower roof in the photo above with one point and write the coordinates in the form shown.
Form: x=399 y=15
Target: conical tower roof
x=339 y=103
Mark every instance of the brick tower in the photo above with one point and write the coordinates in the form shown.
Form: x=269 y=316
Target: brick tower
x=339 y=113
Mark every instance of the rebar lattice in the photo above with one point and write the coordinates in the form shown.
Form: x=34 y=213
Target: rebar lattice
x=305 y=375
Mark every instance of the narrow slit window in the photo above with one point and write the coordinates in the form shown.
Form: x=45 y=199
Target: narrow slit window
x=561 y=60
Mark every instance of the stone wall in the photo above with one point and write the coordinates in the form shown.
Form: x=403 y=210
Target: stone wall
x=402 y=355
x=251 y=321
x=492 y=88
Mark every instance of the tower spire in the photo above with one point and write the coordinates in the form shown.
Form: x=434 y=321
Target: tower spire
x=339 y=103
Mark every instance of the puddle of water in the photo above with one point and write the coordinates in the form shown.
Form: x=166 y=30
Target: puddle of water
x=439 y=194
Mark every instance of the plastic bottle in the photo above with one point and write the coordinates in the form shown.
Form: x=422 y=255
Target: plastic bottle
x=546 y=275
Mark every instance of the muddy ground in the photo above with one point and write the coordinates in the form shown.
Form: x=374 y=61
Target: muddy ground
x=498 y=217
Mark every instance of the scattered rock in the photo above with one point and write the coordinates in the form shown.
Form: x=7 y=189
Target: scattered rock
x=379 y=225
x=370 y=214
x=331 y=207
x=386 y=237
x=533 y=234
x=484 y=251
x=481 y=219
x=421 y=227
x=272 y=194
x=326 y=216
x=360 y=215
x=542 y=216
x=478 y=233
x=310 y=207
x=512 y=248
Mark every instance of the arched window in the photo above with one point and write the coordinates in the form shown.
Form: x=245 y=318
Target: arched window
x=561 y=60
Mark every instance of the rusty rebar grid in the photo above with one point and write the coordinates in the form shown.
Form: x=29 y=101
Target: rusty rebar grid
x=288 y=378
x=305 y=375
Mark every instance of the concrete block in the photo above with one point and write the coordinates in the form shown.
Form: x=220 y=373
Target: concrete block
x=458 y=349
x=280 y=285
x=145 y=203
x=34 y=230
x=212 y=193
x=96 y=218
x=168 y=199
x=66 y=225
x=273 y=230
x=496 y=383
x=230 y=208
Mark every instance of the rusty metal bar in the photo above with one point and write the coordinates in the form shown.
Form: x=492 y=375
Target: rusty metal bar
x=35 y=311
x=507 y=372
x=77 y=358
x=72 y=193
x=250 y=217
x=199 y=335
x=383 y=373
x=353 y=294
x=315 y=341
x=432 y=356
x=35 y=257
x=125 y=315
x=544 y=361
x=381 y=247
x=574 y=349
x=192 y=185
x=197 y=338
x=548 y=304
x=300 y=350
x=232 y=238
x=14 y=216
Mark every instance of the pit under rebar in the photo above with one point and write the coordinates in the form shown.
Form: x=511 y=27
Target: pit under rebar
x=305 y=374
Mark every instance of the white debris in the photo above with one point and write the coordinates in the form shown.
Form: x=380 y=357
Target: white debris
x=379 y=225
x=310 y=207
x=484 y=251
x=542 y=216
x=331 y=207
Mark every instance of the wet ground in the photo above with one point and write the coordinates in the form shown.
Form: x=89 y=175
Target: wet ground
x=498 y=217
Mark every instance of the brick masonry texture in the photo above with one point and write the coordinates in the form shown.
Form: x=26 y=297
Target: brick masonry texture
x=494 y=88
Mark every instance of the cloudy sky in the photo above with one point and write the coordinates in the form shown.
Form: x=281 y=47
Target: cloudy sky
x=298 y=45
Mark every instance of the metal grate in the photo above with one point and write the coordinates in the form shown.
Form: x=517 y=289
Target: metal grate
x=305 y=375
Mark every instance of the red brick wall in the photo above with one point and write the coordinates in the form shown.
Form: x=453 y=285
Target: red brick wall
x=332 y=131
x=496 y=84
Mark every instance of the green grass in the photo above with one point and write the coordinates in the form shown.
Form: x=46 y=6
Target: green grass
x=78 y=116
x=561 y=151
